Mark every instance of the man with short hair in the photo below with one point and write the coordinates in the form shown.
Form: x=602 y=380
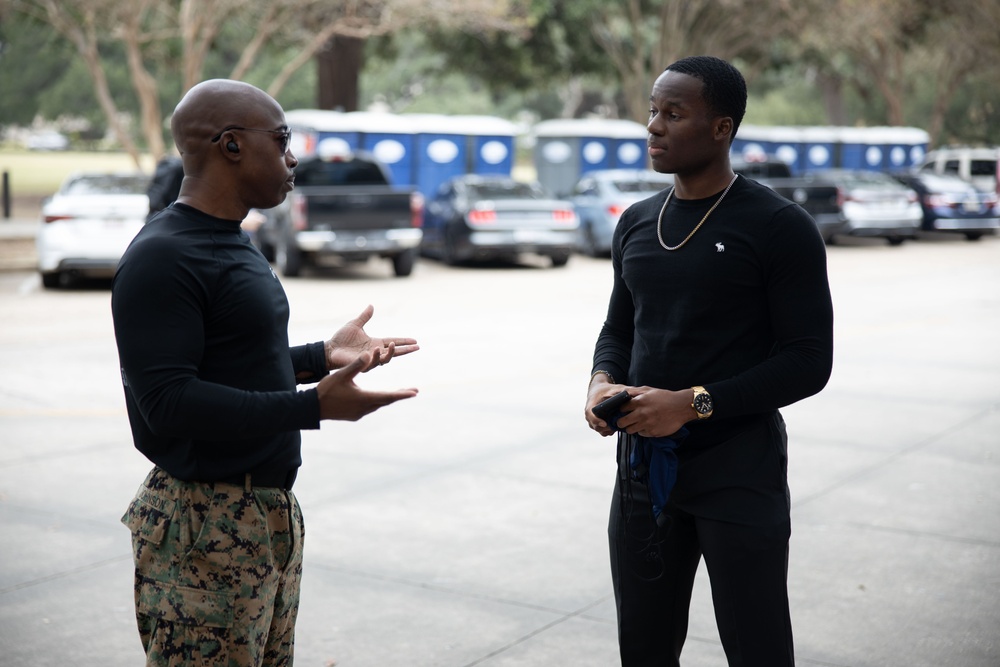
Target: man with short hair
x=201 y=323
x=720 y=314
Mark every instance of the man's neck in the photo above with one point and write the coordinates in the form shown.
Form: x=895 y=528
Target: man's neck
x=213 y=206
x=704 y=183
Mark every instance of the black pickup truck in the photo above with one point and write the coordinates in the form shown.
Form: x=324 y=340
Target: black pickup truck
x=343 y=209
x=819 y=198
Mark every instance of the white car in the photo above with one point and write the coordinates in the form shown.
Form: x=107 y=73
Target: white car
x=87 y=225
x=873 y=204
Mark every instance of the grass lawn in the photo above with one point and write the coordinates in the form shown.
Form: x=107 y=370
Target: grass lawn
x=35 y=174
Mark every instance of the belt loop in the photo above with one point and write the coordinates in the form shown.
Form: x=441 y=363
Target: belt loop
x=247 y=486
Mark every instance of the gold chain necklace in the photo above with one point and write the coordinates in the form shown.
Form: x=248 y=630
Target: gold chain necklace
x=659 y=220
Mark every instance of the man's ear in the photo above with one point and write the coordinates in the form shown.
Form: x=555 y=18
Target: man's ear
x=723 y=128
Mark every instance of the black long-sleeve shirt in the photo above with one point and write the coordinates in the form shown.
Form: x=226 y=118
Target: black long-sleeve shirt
x=743 y=309
x=201 y=323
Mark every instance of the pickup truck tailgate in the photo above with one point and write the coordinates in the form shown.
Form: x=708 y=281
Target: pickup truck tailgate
x=355 y=208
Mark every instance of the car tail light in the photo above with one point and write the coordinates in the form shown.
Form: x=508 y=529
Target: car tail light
x=936 y=201
x=481 y=216
x=299 y=215
x=416 y=210
x=563 y=215
x=56 y=218
x=616 y=210
x=990 y=199
x=842 y=197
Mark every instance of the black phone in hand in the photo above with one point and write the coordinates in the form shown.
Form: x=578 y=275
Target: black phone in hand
x=607 y=408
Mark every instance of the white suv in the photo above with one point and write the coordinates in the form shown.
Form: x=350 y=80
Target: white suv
x=976 y=165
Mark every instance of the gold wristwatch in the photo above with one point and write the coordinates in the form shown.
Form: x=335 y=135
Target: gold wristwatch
x=702 y=403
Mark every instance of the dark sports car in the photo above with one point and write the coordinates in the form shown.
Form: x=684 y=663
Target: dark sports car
x=474 y=217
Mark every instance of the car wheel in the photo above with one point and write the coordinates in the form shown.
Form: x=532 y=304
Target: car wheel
x=402 y=264
x=973 y=236
x=51 y=280
x=896 y=240
x=288 y=258
x=449 y=249
x=589 y=242
x=560 y=259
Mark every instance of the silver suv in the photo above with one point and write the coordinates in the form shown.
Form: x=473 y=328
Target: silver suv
x=976 y=165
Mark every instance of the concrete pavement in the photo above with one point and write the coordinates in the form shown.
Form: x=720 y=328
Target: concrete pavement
x=17 y=244
x=467 y=526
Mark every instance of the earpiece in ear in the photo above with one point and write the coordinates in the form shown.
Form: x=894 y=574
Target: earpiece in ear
x=232 y=147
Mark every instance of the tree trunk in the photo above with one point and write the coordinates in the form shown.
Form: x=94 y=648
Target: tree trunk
x=339 y=69
x=87 y=47
x=146 y=88
x=832 y=88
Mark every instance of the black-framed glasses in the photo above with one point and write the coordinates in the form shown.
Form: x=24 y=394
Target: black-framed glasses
x=284 y=135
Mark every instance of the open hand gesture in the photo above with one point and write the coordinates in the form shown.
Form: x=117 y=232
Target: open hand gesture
x=351 y=342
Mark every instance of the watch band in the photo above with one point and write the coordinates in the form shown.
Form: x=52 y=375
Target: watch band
x=702 y=402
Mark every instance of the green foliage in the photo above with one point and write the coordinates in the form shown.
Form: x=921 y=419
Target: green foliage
x=558 y=44
x=791 y=106
x=784 y=96
x=503 y=74
x=32 y=61
x=516 y=76
x=974 y=115
x=406 y=75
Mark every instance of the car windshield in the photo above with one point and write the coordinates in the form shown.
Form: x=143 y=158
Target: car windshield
x=107 y=184
x=504 y=190
x=640 y=185
x=339 y=172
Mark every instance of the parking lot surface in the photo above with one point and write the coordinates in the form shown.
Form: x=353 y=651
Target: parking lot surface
x=468 y=525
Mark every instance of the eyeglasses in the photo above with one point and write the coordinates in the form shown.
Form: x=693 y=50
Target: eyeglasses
x=284 y=135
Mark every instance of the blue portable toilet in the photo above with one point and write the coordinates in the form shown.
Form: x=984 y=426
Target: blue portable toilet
x=449 y=146
x=565 y=149
x=310 y=127
x=753 y=142
x=853 y=143
x=904 y=147
x=440 y=150
x=391 y=139
x=811 y=148
x=317 y=131
x=883 y=148
x=820 y=148
x=628 y=143
x=789 y=147
x=490 y=143
x=876 y=152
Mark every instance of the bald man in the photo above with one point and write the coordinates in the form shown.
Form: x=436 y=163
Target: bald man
x=211 y=390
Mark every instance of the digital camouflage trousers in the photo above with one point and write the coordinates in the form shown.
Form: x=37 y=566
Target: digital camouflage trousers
x=217 y=572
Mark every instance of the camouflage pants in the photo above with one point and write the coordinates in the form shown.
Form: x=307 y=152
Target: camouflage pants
x=217 y=572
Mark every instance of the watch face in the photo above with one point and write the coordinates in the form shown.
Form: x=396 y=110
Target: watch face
x=703 y=403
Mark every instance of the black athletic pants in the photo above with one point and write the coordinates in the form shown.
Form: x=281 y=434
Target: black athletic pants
x=653 y=575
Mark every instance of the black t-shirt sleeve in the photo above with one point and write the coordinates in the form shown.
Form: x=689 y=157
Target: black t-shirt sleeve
x=613 y=352
x=309 y=359
x=801 y=317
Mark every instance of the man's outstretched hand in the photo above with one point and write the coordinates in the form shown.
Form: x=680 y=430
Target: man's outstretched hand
x=340 y=398
x=351 y=342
